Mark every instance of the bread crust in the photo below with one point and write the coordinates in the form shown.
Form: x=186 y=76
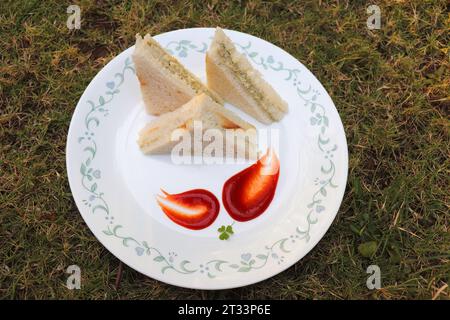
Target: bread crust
x=222 y=79
x=155 y=138
x=224 y=83
x=159 y=91
x=162 y=90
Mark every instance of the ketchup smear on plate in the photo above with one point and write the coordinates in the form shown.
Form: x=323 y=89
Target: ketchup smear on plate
x=195 y=209
x=249 y=193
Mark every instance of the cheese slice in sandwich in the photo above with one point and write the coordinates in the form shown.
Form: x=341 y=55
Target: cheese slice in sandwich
x=231 y=75
x=165 y=83
x=156 y=137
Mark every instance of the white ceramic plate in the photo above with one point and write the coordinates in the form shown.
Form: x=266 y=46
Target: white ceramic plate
x=114 y=184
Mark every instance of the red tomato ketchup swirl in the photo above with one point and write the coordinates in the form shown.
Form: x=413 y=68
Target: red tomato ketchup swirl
x=249 y=193
x=195 y=209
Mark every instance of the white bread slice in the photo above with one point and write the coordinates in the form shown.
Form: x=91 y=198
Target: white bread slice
x=165 y=83
x=231 y=75
x=155 y=138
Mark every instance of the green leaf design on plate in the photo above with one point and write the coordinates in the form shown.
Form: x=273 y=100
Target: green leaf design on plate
x=244 y=269
x=218 y=264
x=100 y=207
x=163 y=269
x=183 y=266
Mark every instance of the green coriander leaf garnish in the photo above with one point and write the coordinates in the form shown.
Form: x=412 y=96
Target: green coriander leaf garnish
x=225 y=232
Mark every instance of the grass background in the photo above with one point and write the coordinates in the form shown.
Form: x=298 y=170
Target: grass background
x=392 y=90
